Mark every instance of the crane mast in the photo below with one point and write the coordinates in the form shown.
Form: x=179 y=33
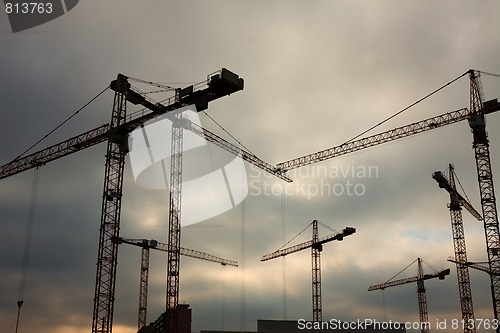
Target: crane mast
x=422 y=297
x=316 y=249
x=110 y=215
x=480 y=144
x=316 y=245
x=143 y=288
x=174 y=226
x=457 y=229
x=146 y=245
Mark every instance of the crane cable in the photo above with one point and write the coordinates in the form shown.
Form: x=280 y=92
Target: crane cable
x=406 y=108
x=327 y=226
x=27 y=243
x=402 y=270
x=165 y=87
x=383 y=302
x=243 y=239
x=221 y=127
x=463 y=190
x=223 y=297
x=432 y=267
x=283 y=236
x=491 y=74
x=61 y=124
x=243 y=269
x=295 y=236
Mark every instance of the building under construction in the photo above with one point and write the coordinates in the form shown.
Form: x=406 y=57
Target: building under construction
x=160 y=324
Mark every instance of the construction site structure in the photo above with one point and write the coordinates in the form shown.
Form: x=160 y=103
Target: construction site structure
x=146 y=245
x=316 y=245
x=457 y=229
x=475 y=116
x=422 y=297
x=217 y=85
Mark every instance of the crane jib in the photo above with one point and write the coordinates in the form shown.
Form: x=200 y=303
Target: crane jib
x=387 y=136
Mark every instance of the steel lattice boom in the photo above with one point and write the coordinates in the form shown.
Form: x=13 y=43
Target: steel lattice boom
x=305 y=245
x=458 y=198
x=155 y=245
x=394 y=283
x=316 y=245
x=383 y=137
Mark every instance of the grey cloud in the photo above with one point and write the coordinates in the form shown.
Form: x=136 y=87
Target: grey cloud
x=315 y=75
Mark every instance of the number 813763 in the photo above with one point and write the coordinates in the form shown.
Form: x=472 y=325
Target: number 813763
x=28 y=8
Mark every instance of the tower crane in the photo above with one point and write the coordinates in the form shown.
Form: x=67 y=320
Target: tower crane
x=217 y=85
x=475 y=116
x=316 y=245
x=474 y=265
x=146 y=245
x=457 y=230
x=422 y=298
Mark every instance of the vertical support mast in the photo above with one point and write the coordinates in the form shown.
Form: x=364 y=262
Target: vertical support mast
x=461 y=256
x=316 y=273
x=174 y=224
x=477 y=124
x=422 y=299
x=143 y=287
x=110 y=215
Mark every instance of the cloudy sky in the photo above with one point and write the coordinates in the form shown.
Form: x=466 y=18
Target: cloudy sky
x=316 y=74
